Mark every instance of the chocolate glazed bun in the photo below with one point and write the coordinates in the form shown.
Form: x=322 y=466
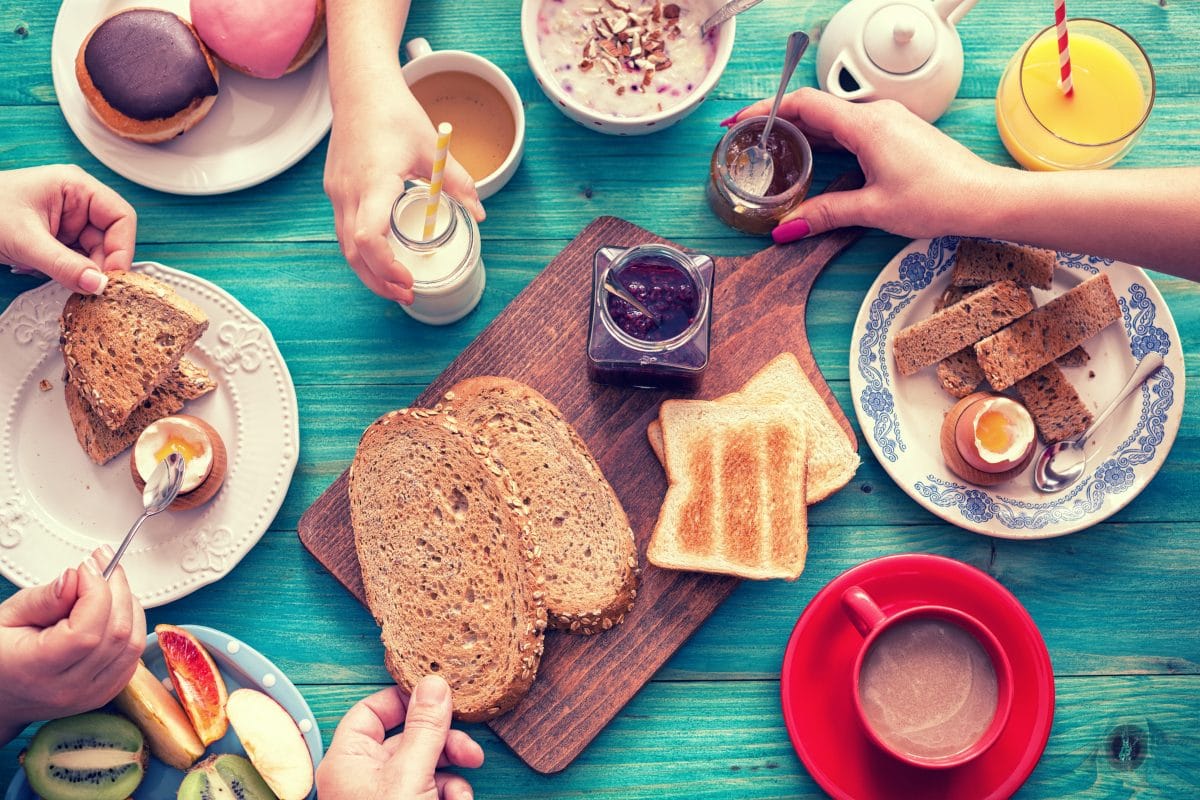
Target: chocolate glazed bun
x=146 y=75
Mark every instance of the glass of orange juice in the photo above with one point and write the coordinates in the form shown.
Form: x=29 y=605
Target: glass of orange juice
x=1096 y=125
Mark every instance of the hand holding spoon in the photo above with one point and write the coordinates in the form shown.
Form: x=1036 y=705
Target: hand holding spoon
x=755 y=168
x=1049 y=477
x=159 y=493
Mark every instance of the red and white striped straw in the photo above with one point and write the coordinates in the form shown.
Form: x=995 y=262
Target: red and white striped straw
x=1064 y=48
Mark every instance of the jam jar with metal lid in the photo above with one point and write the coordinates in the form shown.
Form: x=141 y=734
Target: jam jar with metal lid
x=742 y=209
x=670 y=348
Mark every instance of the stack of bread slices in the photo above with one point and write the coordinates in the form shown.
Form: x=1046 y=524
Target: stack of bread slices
x=477 y=523
x=124 y=352
x=742 y=471
x=986 y=331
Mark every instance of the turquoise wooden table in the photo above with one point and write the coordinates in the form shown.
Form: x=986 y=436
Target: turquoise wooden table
x=1117 y=604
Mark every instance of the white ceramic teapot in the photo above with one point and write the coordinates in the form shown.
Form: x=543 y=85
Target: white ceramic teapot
x=906 y=50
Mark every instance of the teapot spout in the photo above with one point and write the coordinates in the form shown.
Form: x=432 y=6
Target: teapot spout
x=953 y=10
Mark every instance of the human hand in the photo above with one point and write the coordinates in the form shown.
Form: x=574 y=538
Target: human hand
x=919 y=181
x=377 y=143
x=60 y=221
x=68 y=647
x=362 y=764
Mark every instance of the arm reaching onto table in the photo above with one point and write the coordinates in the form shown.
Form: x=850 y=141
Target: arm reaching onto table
x=920 y=182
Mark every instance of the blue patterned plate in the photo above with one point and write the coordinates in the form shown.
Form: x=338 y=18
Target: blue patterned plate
x=901 y=417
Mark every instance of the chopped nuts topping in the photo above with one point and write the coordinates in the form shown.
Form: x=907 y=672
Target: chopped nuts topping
x=623 y=40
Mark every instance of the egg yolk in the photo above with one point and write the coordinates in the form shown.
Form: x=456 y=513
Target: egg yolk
x=994 y=432
x=180 y=446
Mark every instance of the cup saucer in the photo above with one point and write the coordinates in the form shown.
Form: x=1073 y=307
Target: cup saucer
x=818 y=706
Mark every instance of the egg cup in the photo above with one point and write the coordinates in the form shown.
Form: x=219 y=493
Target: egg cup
x=216 y=475
x=954 y=459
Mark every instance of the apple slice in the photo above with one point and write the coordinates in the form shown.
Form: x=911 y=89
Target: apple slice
x=147 y=702
x=273 y=742
x=197 y=681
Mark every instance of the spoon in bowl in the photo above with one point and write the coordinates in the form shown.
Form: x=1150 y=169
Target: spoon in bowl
x=1050 y=477
x=726 y=13
x=754 y=168
x=159 y=493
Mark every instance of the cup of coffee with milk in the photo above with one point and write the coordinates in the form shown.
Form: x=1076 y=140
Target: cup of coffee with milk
x=933 y=686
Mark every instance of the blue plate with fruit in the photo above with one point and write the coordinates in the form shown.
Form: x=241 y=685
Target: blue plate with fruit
x=266 y=716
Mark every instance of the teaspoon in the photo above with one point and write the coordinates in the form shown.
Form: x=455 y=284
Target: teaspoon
x=1049 y=477
x=726 y=13
x=614 y=287
x=755 y=167
x=159 y=493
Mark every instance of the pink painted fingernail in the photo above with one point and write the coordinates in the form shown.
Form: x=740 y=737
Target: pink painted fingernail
x=61 y=583
x=89 y=564
x=106 y=553
x=791 y=231
x=730 y=121
x=92 y=281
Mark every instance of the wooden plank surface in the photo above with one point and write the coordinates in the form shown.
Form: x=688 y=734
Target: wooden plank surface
x=1116 y=604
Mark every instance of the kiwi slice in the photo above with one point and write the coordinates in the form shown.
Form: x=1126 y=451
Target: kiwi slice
x=224 y=777
x=86 y=757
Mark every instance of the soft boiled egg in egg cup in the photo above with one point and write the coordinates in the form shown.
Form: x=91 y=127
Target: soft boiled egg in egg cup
x=988 y=438
x=198 y=443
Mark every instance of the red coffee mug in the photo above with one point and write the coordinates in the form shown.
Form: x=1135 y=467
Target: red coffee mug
x=942 y=744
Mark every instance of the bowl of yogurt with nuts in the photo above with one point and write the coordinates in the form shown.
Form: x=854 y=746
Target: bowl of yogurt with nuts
x=624 y=67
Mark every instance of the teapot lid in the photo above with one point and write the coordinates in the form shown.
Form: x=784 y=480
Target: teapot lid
x=899 y=38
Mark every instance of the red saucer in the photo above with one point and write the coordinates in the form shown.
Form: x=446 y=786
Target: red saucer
x=818 y=706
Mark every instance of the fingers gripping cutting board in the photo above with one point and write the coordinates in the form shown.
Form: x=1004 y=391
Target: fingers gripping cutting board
x=759 y=308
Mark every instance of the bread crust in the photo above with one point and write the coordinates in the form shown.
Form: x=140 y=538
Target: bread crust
x=575 y=615
x=144 y=131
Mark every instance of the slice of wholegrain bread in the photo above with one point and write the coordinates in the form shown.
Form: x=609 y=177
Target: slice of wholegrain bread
x=187 y=382
x=735 y=499
x=587 y=546
x=832 y=462
x=959 y=325
x=978 y=263
x=449 y=571
x=1054 y=404
x=120 y=345
x=1048 y=332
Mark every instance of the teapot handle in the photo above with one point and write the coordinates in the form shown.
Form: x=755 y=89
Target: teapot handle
x=833 y=85
x=953 y=10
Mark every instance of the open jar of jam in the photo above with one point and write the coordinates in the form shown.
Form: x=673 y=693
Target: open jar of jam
x=753 y=213
x=667 y=350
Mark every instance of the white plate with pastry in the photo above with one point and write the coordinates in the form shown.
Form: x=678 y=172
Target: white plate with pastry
x=57 y=505
x=255 y=129
x=901 y=416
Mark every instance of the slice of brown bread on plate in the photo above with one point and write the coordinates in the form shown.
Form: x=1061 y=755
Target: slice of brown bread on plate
x=832 y=462
x=1054 y=404
x=449 y=571
x=187 y=382
x=735 y=499
x=121 y=344
x=587 y=546
x=959 y=325
x=978 y=263
x=1048 y=332
x=959 y=373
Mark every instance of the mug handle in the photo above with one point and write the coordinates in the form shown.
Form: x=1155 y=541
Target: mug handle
x=416 y=48
x=862 y=610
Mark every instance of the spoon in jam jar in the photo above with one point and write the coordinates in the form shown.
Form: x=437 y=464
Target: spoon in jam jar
x=754 y=168
x=614 y=288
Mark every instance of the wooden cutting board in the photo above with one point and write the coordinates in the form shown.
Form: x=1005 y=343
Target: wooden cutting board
x=759 y=306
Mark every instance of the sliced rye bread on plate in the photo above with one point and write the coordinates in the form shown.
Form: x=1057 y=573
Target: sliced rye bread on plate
x=979 y=263
x=1054 y=404
x=447 y=564
x=589 y=554
x=735 y=499
x=187 y=382
x=1048 y=332
x=120 y=345
x=832 y=462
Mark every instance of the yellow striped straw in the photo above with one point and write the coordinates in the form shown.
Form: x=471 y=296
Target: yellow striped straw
x=435 y=180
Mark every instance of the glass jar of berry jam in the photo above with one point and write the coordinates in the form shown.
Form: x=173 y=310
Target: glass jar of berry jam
x=668 y=350
x=754 y=213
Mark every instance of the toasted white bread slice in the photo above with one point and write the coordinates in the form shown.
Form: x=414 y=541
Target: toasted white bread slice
x=831 y=460
x=449 y=572
x=735 y=501
x=587 y=546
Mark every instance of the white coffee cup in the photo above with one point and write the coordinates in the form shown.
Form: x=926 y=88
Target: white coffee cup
x=423 y=61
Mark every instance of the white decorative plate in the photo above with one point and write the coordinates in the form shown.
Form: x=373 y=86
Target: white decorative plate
x=255 y=130
x=56 y=506
x=901 y=417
